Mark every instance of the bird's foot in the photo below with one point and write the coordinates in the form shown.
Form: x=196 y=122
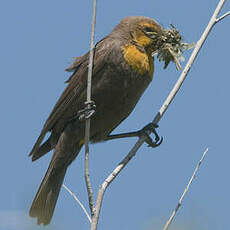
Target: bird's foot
x=146 y=131
x=87 y=112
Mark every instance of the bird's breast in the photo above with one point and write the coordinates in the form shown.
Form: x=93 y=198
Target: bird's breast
x=116 y=94
x=140 y=61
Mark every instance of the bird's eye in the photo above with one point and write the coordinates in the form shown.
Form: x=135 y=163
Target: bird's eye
x=149 y=30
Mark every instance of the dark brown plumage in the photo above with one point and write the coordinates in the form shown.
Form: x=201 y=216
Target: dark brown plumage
x=123 y=68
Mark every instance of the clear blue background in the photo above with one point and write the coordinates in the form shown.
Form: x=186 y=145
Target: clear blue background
x=37 y=42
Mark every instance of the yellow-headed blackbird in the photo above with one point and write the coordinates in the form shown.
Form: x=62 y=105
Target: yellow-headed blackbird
x=122 y=69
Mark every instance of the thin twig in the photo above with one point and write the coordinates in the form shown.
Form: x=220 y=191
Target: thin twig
x=185 y=191
x=158 y=116
x=222 y=17
x=78 y=201
x=87 y=122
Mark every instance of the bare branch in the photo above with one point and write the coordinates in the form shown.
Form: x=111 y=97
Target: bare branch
x=222 y=17
x=78 y=201
x=88 y=183
x=185 y=191
x=88 y=102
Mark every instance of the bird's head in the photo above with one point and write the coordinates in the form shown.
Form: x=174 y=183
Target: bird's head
x=140 y=30
x=148 y=35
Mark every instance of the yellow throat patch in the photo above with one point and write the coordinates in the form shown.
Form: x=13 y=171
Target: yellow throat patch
x=138 y=60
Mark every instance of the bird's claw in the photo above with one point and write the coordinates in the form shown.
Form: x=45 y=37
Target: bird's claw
x=147 y=130
x=87 y=112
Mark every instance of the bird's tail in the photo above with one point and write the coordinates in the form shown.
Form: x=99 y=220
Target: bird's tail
x=45 y=200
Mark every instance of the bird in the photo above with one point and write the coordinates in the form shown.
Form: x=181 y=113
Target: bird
x=123 y=67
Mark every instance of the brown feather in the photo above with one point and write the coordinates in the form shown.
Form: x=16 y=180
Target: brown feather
x=116 y=88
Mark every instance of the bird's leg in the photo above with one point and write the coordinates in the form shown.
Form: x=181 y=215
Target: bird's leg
x=87 y=112
x=146 y=131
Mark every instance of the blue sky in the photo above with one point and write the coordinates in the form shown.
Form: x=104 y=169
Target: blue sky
x=38 y=40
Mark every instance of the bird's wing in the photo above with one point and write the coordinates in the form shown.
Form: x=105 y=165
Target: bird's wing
x=76 y=85
x=77 y=81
